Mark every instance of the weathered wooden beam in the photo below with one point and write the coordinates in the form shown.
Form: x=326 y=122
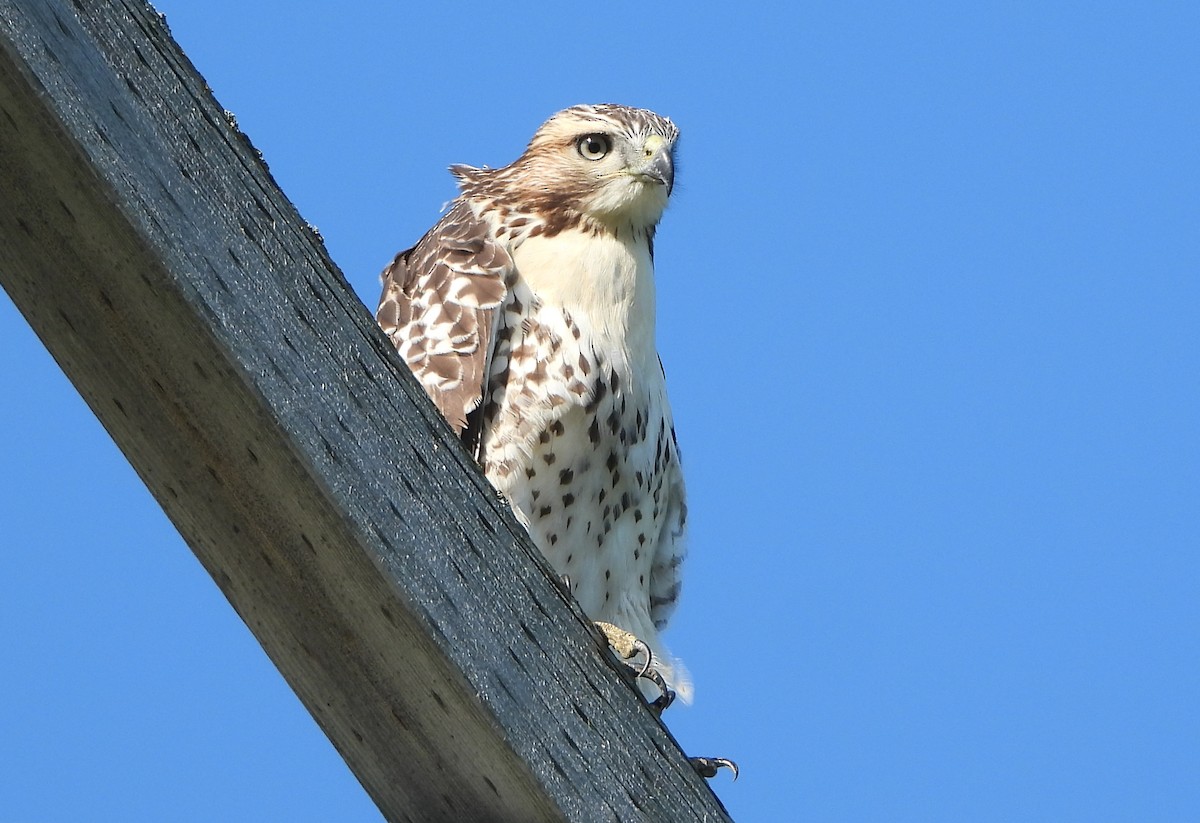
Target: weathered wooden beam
x=148 y=246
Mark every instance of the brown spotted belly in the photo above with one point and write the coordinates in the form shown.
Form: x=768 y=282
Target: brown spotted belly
x=591 y=493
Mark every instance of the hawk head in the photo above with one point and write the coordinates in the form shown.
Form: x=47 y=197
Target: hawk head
x=604 y=166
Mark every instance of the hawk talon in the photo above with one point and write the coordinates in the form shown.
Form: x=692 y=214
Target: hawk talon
x=640 y=646
x=707 y=767
x=628 y=647
x=664 y=700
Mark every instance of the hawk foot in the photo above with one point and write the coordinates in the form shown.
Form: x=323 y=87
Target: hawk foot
x=707 y=767
x=629 y=647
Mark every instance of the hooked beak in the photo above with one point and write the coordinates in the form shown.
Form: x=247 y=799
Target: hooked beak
x=657 y=164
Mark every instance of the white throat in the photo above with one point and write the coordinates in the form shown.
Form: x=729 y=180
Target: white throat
x=606 y=282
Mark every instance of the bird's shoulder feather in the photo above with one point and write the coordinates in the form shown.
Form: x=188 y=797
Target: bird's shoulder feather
x=439 y=304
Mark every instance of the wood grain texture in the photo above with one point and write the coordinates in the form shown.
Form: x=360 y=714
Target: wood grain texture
x=148 y=246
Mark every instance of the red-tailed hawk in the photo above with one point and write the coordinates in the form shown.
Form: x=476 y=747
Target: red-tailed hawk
x=527 y=312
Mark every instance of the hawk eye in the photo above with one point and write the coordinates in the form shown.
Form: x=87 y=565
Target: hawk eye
x=594 y=146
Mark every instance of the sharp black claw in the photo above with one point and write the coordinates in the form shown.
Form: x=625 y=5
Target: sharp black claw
x=664 y=700
x=707 y=767
x=641 y=646
x=666 y=694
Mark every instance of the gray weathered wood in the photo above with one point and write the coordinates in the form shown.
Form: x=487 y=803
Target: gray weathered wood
x=150 y=249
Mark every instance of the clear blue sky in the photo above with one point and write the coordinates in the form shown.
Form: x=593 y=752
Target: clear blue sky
x=929 y=297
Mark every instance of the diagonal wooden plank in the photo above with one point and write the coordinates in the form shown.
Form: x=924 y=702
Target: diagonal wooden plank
x=148 y=246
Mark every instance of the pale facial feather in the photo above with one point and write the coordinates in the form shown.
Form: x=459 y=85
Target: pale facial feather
x=553 y=180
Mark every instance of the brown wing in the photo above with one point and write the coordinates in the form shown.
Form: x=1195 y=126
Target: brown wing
x=438 y=306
